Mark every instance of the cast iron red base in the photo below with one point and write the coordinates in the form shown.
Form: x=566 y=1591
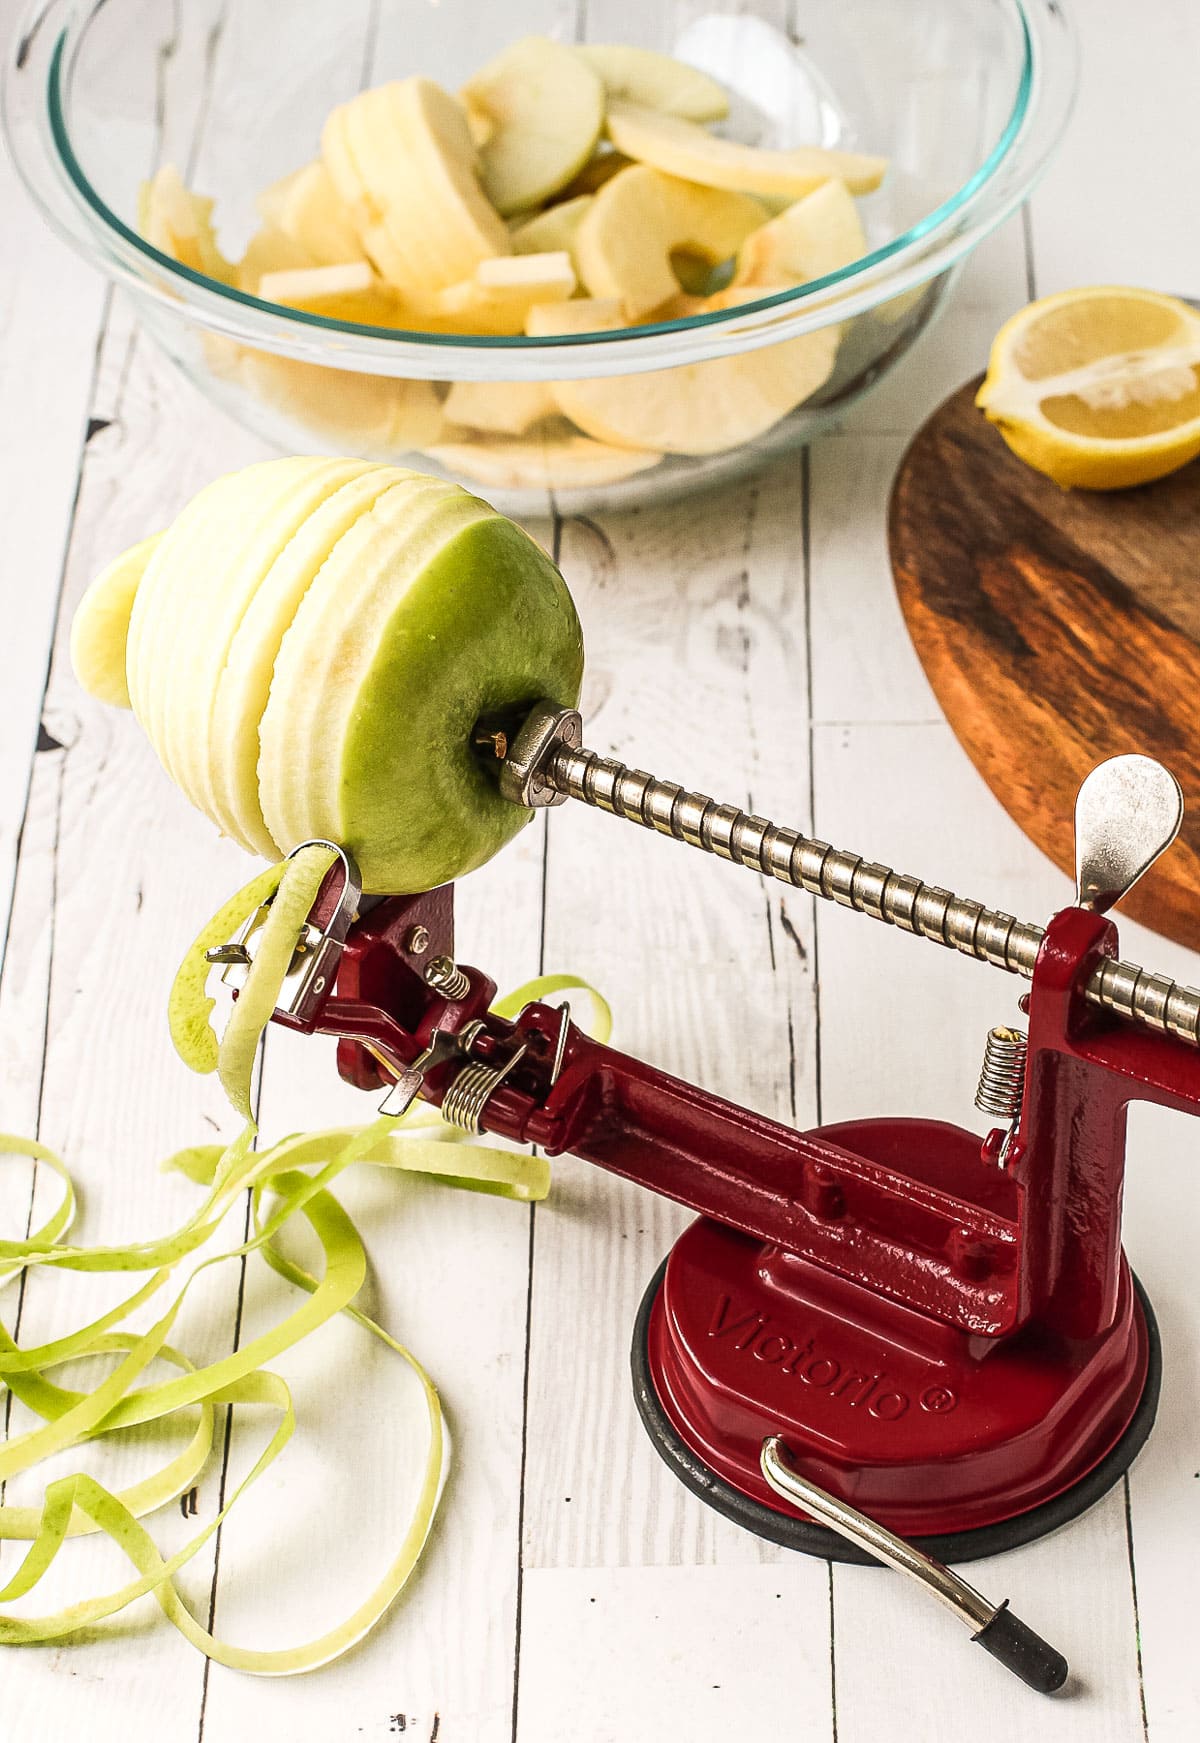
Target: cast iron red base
x=965 y=1445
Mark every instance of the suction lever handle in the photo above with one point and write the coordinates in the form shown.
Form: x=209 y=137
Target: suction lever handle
x=993 y=1626
x=1128 y=812
x=545 y=764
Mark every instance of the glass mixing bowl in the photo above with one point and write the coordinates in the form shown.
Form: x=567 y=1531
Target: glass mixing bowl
x=966 y=98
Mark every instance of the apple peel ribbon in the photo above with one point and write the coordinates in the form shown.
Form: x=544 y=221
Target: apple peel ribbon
x=281 y=1186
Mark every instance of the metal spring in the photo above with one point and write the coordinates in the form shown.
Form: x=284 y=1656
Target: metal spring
x=1002 y=1077
x=465 y=1100
x=444 y=976
x=472 y=1089
x=846 y=878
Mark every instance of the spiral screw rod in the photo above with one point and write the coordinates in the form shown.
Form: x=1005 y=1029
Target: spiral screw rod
x=546 y=765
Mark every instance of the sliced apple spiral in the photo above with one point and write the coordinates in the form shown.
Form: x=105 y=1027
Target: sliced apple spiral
x=640 y=218
x=306 y=207
x=403 y=163
x=656 y=81
x=817 y=235
x=703 y=408
x=543 y=108
x=309 y=646
x=680 y=148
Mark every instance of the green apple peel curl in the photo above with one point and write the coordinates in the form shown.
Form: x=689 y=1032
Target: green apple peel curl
x=78 y=1504
x=307 y=648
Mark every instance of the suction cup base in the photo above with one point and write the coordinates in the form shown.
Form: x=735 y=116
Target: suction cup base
x=952 y=1546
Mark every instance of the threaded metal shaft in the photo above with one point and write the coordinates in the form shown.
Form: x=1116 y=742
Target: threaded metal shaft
x=846 y=878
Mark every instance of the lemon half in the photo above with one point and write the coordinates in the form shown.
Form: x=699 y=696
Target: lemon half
x=1098 y=388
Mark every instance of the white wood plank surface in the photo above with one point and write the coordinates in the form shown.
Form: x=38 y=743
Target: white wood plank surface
x=748 y=641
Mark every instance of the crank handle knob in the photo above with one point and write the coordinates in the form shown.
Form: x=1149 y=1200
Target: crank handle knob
x=995 y=1628
x=1025 y=1653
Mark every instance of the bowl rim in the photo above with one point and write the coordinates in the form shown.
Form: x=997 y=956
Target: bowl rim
x=926 y=249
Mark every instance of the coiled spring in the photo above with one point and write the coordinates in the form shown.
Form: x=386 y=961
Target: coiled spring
x=444 y=976
x=1002 y=1078
x=472 y=1089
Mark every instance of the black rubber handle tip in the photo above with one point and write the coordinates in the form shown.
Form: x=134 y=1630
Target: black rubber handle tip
x=1023 y=1652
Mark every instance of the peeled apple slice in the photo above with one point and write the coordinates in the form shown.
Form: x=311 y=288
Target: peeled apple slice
x=223 y=503
x=546 y=107
x=499 y=297
x=269 y=252
x=243 y=686
x=679 y=148
x=306 y=207
x=100 y=627
x=703 y=408
x=820 y=234
x=599 y=168
x=378 y=626
x=502 y=408
x=552 y=230
x=640 y=218
x=557 y=463
x=580 y=315
x=450 y=613
x=480 y=125
x=384 y=546
x=381 y=416
x=179 y=223
x=403 y=163
x=201 y=590
x=349 y=292
x=269 y=202
x=656 y=81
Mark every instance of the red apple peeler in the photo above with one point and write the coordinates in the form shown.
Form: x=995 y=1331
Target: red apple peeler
x=885 y=1340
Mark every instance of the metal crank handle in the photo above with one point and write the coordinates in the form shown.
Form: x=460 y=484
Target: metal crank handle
x=545 y=764
x=993 y=1626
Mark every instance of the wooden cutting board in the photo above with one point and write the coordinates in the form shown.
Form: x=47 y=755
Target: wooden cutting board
x=1057 y=628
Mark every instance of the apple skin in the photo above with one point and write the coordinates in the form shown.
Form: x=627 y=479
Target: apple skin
x=485 y=629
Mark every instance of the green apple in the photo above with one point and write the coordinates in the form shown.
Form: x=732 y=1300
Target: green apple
x=546 y=108
x=310 y=646
x=448 y=613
